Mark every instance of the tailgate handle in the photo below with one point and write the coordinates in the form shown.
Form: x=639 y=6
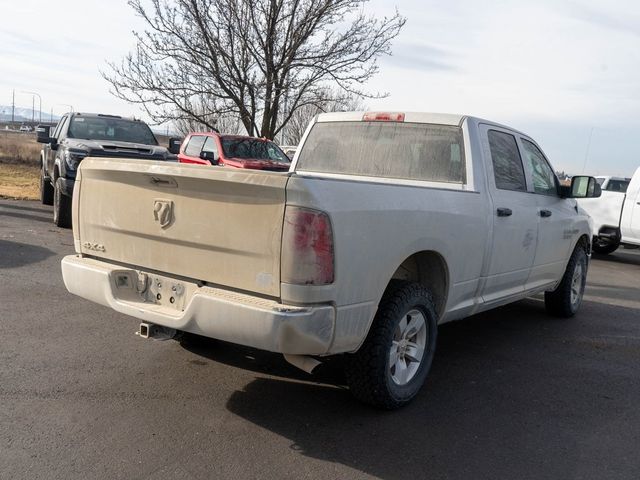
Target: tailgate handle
x=164 y=182
x=545 y=213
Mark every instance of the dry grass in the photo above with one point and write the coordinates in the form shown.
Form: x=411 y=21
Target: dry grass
x=19 y=181
x=19 y=148
x=19 y=170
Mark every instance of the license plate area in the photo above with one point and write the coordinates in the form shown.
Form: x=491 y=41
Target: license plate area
x=166 y=292
x=137 y=286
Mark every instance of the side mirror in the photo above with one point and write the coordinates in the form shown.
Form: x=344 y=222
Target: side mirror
x=210 y=157
x=43 y=133
x=174 y=145
x=584 y=187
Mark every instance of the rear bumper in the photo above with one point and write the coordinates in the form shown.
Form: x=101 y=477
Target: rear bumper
x=212 y=312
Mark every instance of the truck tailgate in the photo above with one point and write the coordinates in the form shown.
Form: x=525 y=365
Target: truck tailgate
x=218 y=225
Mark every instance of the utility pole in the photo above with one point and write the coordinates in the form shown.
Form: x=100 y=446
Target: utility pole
x=33 y=103
x=33 y=108
x=13 y=107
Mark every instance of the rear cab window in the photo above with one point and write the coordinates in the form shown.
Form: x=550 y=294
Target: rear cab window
x=408 y=151
x=617 y=185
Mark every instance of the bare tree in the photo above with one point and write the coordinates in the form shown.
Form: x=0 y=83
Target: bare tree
x=204 y=120
x=244 y=57
x=300 y=119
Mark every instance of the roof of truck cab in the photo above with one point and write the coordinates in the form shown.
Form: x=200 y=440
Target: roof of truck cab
x=103 y=115
x=409 y=117
x=608 y=177
x=417 y=117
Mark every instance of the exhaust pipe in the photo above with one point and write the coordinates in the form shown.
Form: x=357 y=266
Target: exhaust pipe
x=303 y=362
x=155 y=332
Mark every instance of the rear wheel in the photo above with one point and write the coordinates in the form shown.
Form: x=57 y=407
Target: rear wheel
x=61 y=206
x=46 y=190
x=565 y=300
x=391 y=365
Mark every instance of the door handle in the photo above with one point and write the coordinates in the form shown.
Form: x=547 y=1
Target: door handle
x=504 y=212
x=545 y=213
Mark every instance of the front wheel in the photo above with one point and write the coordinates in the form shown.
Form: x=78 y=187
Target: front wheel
x=393 y=362
x=61 y=206
x=565 y=300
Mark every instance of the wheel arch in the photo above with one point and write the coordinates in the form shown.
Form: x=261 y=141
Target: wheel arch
x=430 y=269
x=585 y=240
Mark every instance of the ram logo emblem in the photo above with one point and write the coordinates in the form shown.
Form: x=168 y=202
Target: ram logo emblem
x=163 y=212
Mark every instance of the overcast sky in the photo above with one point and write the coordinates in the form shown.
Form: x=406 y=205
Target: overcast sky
x=557 y=70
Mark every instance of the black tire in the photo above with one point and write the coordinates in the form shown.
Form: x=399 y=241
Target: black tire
x=561 y=302
x=46 y=190
x=605 y=247
x=368 y=371
x=61 y=206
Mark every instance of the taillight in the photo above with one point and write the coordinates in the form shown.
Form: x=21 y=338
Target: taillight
x=307 y=247
x=383 y=117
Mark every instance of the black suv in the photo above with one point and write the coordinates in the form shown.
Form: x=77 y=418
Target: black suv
x=80 y=135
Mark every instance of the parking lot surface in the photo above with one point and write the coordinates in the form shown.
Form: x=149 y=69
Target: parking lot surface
x=512 y=393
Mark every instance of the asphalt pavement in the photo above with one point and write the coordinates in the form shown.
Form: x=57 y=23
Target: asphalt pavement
x=513 y=393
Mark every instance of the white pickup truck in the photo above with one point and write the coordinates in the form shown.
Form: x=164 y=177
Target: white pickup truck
x=616 y=214
x=387 y=225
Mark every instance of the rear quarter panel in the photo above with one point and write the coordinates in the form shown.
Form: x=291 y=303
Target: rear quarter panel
x=376 y=227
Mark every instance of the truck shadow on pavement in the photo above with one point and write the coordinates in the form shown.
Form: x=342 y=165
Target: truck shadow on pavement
x=15 y=254
x=26 y=213
x=512 y=393
x=626 y=256
x=39 y=209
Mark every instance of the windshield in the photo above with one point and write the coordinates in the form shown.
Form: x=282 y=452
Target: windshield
x=114 y=129
x=252 y=149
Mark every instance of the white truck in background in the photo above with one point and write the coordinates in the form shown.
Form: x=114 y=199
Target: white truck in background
x=616 y=213
x=386 y=225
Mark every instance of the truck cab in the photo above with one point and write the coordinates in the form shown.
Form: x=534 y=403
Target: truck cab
x=78 y=135
x=236 y=151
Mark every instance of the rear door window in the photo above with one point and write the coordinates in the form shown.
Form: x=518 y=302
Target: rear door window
x=412 y=151
x=194 y=147
x=507 y=163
